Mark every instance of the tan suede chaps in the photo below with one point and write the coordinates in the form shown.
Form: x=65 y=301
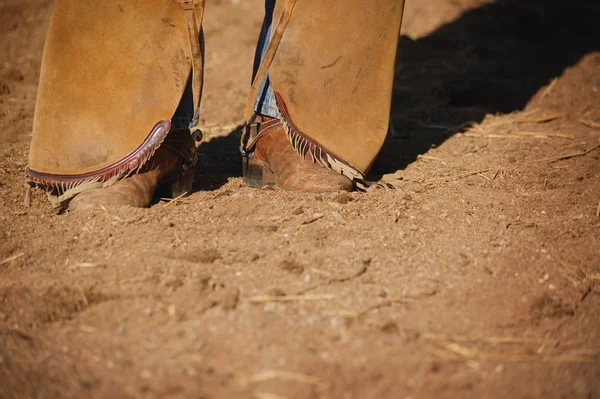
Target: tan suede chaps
x=113 y=73
x=331 y=66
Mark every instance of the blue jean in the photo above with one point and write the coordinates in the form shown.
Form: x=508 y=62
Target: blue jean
x=265 y=101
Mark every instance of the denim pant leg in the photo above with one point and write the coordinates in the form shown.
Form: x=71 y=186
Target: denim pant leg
x=184 y=115
x=265 y=101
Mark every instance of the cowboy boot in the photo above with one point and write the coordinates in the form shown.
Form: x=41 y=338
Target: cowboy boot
x=83 y=139
x=135 y=191
x=273 y=162
x=172 y=165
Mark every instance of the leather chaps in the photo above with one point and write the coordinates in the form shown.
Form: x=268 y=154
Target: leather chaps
x=331 y=66
x=113 y=73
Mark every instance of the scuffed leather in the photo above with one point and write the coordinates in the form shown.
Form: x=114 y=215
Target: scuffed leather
x=334 y=69
x=110 y=71
x=136 y=191
x=292 y=171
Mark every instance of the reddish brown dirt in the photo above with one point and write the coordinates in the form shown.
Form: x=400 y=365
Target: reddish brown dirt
x=456 y=284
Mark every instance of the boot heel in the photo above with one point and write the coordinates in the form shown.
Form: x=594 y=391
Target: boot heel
x=256 y=173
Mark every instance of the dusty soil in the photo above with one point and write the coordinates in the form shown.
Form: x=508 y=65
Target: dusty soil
x=477 y=276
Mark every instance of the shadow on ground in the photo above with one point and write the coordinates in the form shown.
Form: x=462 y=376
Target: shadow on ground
x=492 y=59
x=219 y=159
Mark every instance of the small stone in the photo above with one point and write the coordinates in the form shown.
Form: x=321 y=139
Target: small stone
x=171 y=310
x=343 y=198
x=338 y=218
x=276 y=292
x=389 y=327
x=230 y=299
x=474 y=365
x=121 y=329
x=270 y=307
x=292 y=266
x=298 y=211
x=146 y=374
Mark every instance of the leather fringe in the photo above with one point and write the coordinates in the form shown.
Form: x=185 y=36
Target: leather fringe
x=62 y=188
x=306 y=147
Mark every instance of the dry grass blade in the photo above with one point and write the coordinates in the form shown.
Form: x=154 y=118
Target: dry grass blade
x=383 y=304
x=171 y=201
x=402 y=299
x=493 y=339
x=545 y=135
x=589 y=123
x=521 y=135
x=598 y=211
x=459 y=176
x=290 y=376
x=267 y=395
x=27 y=199
x=542 y=119
x=549 y=88
x=319 y=271
x=87 y=265
x=289 y=298
x=429 y=158
x=314 y=218
x=566 y=156
x=473 y=353
x=11 y=258
x=428 y=125
x=359 y=272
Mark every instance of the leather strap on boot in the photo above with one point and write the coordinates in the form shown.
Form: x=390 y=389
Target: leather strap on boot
x=194 y=13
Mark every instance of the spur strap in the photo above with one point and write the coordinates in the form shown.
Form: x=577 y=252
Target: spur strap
x=263 y=68
x=194 y=13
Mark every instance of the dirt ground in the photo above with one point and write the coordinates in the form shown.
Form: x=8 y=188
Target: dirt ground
x=478 y=276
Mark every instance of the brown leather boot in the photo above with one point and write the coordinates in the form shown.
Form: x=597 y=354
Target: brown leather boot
x=274 y=162
x=136 y=190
